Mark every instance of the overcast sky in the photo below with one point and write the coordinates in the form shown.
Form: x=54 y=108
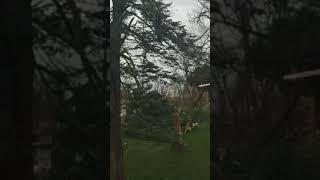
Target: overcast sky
x=182 y=9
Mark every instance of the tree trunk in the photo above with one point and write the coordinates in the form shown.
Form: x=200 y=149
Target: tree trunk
x=116 y=153
x=177 y=144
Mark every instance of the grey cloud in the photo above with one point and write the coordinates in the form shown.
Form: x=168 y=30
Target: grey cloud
x=182 y=9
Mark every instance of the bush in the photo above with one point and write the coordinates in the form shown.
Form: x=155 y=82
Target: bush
x=149 y=116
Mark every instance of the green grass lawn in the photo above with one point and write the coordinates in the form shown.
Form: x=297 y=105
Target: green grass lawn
x=147 y=160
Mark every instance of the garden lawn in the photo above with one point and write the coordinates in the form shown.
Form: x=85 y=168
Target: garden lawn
x=147 y=160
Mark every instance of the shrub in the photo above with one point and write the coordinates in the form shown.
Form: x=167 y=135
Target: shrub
x=149 y=116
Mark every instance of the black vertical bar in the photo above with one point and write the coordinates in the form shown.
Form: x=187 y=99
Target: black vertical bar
x=16 y=90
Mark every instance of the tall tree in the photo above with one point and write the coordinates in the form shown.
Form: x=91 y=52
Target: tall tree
x=116 y=158
x=69 y=46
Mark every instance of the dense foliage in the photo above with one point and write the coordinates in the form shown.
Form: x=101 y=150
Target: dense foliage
x=200 y=75
x=149 y=116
